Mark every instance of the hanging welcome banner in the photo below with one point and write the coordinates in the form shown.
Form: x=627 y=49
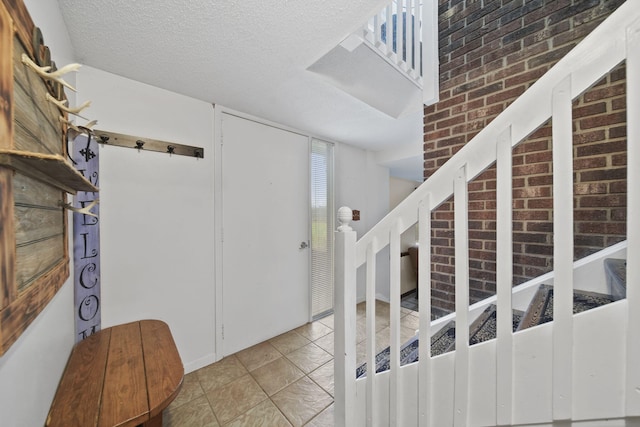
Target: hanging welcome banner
x=86 y=241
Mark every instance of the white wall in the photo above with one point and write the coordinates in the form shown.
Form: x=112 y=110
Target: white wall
x=399 y=189
x=364 y=185
x=30 y=370
x=156 y=212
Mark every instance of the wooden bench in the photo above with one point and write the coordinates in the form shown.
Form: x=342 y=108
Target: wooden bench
x=121 y=376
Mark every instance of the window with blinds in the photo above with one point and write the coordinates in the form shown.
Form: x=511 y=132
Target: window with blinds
x=322 y=227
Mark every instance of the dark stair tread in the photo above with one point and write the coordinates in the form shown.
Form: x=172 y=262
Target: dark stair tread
x=444 y=340
x=383 y=358
x=541 y=307
x=484 y=328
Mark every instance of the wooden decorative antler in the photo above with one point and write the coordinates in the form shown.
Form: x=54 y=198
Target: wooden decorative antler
x=77 y=130
x=61 y=105
x=85 y=211
x=54 y=75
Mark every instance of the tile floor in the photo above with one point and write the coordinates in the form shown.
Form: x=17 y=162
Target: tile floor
x=285 y=381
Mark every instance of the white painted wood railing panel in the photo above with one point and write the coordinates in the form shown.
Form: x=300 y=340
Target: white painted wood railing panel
x=562 y=148
x=554 y=371
x=399 y=21
x=632 y=391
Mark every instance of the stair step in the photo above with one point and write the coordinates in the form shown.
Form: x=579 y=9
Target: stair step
x=541 y=307
x=444 y=340
x=482 y=329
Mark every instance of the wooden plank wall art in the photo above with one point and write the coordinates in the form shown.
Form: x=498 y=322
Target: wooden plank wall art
x=35 y=174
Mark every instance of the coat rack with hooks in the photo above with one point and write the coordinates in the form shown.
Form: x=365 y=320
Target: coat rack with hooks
x=146 y=144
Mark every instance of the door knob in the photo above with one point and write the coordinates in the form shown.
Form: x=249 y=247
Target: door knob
x=304 y=245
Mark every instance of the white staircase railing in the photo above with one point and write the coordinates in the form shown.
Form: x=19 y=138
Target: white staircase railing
x=396 y=32
x=359 y=402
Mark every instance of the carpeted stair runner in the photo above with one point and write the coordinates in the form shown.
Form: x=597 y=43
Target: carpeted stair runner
x=541 y=308
x=540 y=311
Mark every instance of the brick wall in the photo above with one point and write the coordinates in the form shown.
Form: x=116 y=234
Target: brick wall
x=491 y=51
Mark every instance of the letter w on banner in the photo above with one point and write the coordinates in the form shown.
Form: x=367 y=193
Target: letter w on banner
x=86 y=241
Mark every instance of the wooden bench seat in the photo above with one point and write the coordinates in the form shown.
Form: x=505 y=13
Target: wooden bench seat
x=121 y=376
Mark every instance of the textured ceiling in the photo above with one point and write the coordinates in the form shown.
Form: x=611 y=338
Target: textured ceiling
x=248 y=55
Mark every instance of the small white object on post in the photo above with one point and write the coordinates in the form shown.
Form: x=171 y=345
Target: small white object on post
x=345 y=320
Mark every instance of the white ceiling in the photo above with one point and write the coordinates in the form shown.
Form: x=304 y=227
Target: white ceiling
x=249 y=55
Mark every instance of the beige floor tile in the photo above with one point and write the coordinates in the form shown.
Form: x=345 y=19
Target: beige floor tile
x=276 y=375
x=327 y=321
x=325 y=343
x=309 y=357
x=235 y=398
x=258 y=355
x=288 y=342
x=191 y=389
x=196 y=413
x=220 y=373
x=265 y=414
x=323 y=376
x=383 y=338
x=324 y=419
x=302 y=401
x=410 y=321
x=313 y=331
x=361 y=353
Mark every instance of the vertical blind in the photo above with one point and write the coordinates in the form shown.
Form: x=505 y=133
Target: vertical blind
x=322 y=227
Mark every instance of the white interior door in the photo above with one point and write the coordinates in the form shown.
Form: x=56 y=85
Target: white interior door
x=265 y=226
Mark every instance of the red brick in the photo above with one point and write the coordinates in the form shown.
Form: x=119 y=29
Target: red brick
x=531 y=192
x=603 y=175
x=604 y=120
x=619 y=160
x=603 y=148
x=618 y=214
x=506 y=95
x=531 y=216
x=589 y=163
x=590 y=215
x=434 y=117
x=532 y=146
x=540 y=203
x=585 y=137
x=539 y=180
x=540 y=157
x=604 y=92
x=603 y=201
x=589 y=110
x=602 y=227
x=447 y=123
x=618 y=187
x=590 y=188
x=535 y=169
x=618 y=132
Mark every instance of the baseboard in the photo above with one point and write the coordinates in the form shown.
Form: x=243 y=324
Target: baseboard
x=199 y=363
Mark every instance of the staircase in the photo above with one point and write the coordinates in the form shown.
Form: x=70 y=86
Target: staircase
x=567 y=361
x=484 y=327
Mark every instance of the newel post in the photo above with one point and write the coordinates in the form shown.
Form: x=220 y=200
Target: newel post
x=345 y=321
